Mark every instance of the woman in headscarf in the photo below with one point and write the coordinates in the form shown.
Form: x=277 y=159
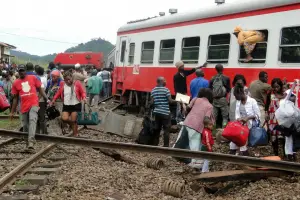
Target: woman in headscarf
x=193 y=125
x=53 y=86
x=248 y=39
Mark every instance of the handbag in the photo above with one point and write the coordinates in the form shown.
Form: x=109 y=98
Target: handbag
x=87 y=118
x=4 y=104
x=52 y=113
x=236 y=132
x=258 y=136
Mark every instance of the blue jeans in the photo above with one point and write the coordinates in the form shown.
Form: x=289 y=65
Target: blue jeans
x=106 y=89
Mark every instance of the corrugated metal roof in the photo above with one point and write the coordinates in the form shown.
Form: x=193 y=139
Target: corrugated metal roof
x=7 y=45
x=214 y=11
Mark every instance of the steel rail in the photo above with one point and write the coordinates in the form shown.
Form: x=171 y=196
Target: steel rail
x=8 y=141
x=103 y=100
x=8 y=117
x=250 y=161
x=24 y=166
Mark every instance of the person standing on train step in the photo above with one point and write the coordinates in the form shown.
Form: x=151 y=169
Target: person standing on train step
x=198 y=83
x=94 y=86
x=160 y=99
x=220 y=85
x=79 y=75
x=106 y=78
x=26 y=88
x=259 y=90
x=180 y=85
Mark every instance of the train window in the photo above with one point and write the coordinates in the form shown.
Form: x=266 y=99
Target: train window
x=123 y=49
x=259 y=52
x=218 y=48
x=147 y=52
x=190 y=49
x=167 y=49
x=131 y=53
x=290 y=45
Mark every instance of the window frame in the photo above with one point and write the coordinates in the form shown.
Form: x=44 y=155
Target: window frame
x=123 y=51
x=282 y=46
x=160 y=48
x=131 y=55
x=240 y=60
x=182 y=48
x=142 y=50
x=223 y=61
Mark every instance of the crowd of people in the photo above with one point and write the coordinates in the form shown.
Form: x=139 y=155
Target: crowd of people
x=30 y=91
x=234 y=101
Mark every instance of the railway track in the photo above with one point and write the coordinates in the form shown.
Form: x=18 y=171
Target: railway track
x=248 y=161
x=21 y=162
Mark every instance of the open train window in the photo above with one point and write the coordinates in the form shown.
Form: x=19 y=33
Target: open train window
x=218 y=48
x=147 y=52
x=259 y=53
x=190 y=49
x=131 y=53
x=123 y=49
x=290 y=45
x=167 y=50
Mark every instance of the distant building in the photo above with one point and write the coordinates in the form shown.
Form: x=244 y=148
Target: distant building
x=5 y=52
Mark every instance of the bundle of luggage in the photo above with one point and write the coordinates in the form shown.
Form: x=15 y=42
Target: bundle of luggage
x=239 y=134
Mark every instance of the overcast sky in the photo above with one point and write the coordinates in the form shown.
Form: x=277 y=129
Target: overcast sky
x=77 y=21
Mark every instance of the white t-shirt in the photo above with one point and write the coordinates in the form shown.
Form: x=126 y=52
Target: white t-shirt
x=69 y=98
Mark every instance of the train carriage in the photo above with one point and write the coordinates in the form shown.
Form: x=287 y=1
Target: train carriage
x=149 y=48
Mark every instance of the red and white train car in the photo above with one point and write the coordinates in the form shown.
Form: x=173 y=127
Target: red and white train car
x=148 y=49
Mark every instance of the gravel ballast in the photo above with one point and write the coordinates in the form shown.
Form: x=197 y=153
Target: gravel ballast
x=89 y=174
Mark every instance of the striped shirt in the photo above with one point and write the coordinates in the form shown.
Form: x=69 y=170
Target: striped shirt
x=160 y=97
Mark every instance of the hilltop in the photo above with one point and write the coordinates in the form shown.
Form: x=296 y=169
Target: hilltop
x=94 y=45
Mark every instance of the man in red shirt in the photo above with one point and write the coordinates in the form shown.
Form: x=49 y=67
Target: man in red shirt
x=26 y=88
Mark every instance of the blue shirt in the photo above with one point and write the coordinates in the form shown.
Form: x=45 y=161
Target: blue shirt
x=160 y=97
x=197 y=84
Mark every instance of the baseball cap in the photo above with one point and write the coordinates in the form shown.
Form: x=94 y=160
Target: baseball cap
x=21 y=68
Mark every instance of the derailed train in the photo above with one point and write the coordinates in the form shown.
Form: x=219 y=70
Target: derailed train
x=149 y=48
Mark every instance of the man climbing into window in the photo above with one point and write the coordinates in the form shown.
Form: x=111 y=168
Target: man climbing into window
x=248 y=39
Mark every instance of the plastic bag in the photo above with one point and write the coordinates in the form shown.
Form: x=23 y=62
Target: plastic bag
x=236 y=133
x=182 y=142
x=258 y=136
x=286 y=111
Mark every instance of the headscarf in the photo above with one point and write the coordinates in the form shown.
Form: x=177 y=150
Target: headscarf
x=179 y=64
x=55 y=73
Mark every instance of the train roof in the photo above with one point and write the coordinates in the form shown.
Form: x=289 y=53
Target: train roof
x=203 y=13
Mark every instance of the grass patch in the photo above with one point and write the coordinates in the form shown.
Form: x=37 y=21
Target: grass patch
x=21 y=182
x=9 y=125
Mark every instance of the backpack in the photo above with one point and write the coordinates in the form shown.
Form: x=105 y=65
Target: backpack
x=218 y=87
x=146 y=134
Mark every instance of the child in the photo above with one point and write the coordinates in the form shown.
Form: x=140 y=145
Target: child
x=207 y=141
